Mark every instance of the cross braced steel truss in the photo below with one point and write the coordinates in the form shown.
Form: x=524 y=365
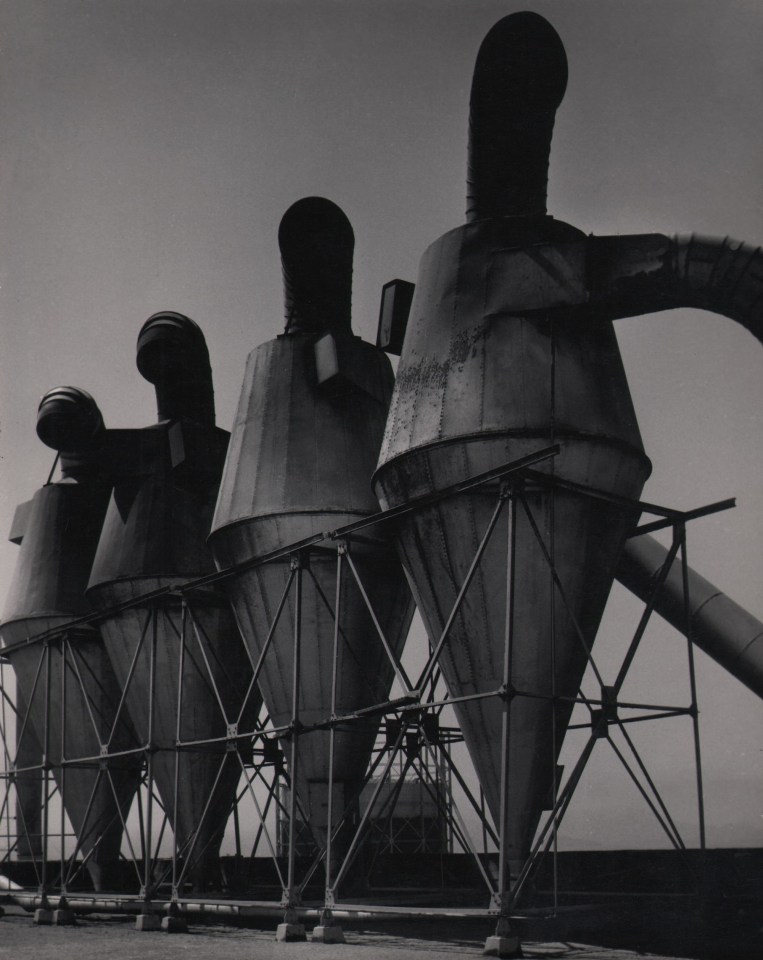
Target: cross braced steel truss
x=259 y=751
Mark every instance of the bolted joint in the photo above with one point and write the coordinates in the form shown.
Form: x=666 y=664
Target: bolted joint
x=290 y=900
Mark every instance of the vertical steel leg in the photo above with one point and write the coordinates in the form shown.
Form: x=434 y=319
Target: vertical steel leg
x=178 y=733
x=291 y=929
x=147 y=863
x=62 y=720
x=681 y=532
x=329 y=892
x=327 y=931
x=506 y=942
x=46 y=778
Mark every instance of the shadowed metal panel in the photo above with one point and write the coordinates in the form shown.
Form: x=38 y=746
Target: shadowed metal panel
x=47 y=591
x=153 y=536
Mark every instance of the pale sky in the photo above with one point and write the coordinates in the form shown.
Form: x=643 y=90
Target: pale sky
x=150 y=147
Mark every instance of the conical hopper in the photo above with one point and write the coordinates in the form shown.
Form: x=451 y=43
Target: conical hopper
x=71 y=690
x=494 y=368
x=28 y=786
x=154 y=536
x=302 y=452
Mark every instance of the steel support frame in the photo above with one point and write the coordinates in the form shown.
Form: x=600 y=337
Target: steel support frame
x=415 y=703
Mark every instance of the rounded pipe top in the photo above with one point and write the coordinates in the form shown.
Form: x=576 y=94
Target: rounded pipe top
x=68 y=420
x=519 y=81
x=317 y=245
x=172 y=354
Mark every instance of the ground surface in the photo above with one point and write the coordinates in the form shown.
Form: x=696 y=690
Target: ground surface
x=99 y=938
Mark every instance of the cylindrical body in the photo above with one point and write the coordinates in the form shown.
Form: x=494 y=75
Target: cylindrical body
x=154 y=536
x=300 y=463
x=492 y=369
x=76 y=688
x=716 y=623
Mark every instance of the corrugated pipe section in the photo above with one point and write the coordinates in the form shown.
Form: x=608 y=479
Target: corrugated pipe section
x=519 y=80
x=172 y=354
x=69 y=421
x=633 y=275
x=317 y=244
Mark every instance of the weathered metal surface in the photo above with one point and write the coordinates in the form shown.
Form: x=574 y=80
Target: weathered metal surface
x=153 y=536
x=299 y=463
x=499 y=361
x=72 y=691
x=631 y=275
x=717 y=624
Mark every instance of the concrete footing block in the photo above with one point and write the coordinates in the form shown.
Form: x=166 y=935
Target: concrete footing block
x=174 y=924
x=148 y=921
x=290 y=932
x=507 y=947
x=328 y=933
x=63 y=917
x=43 y=917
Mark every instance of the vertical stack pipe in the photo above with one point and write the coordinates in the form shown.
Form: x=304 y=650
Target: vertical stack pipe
x=498 y=362
x=154 y=537
x=68 y=683
x=303 y=448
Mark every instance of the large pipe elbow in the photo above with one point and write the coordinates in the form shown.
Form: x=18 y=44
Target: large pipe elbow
x=317 y=245
x=172 y=354
x=723 y=276
x=634 y=275
x=69 y=421
x=519 y=81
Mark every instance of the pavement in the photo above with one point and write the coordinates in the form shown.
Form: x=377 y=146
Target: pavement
x=105 y=938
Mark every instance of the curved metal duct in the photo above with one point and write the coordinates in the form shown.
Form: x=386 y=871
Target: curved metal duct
x=717 y=625
x=172 y=354
x=317 y=244
x=299 y=463
x=69 y=684
x=154 y=535
x=515 y=94
x=645 y=273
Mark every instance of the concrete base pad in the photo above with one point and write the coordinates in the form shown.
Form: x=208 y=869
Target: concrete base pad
x=43 y=917
x=63 y=917
x=290 y=932
x=507 y=947
x=148 y=921
x=328 y=934
x=174 y=924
